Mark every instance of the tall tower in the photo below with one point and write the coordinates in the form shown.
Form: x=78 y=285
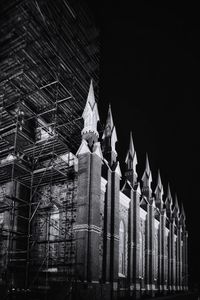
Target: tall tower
x=150 y=229
x=168 y=206
x=176 y=215
x=132 y=190
x=111 y=222
x=147 y=180
x=162 y=278
x=89 y=191
x=109 y=139
x=91 y=117
x=131 y=162
x=159 y=193
x=168 y=201
x=184 y=254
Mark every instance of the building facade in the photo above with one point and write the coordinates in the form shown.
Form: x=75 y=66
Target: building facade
x=71 y=224
x=87 y=235
x=131 y=240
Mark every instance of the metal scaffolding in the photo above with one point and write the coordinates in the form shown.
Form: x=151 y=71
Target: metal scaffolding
x=48 y=53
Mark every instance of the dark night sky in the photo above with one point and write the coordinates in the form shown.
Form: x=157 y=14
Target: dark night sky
x=150 y=62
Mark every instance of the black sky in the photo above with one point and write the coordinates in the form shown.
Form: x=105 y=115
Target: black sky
x=150 y=64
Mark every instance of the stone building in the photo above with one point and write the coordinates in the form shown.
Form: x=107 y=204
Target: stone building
x=71 y=224
x=107 y=241
x=131 y=240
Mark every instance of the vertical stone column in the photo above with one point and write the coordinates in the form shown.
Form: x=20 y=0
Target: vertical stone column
x=88 y=214
x=136 y=240
x=180 y=256
x=170 y=257
x=178 y=260
x=133 y=238
x=162 y=254
x=173 y=258
x=134 y=219
x=114 y=229
x=186 y=260
x=129 y=193
x=107 y=220
x=147 y=249
x=94 y=217
x=151 y=247
x=108 y=225
x=183 y=259
x=168 y=205
x=150 y=251
x=150 y=231
x=111 y=227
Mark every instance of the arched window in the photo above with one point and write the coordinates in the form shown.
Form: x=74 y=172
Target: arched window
x=122 y=248
x=142 y=255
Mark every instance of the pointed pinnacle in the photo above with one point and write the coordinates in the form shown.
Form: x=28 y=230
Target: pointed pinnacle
x=91 y=97
x=90 y=116
x=169 y=196
x=176 y=206
x=168 y=202
x=147 y=169
x=131 y=151
x=131 y=146
x=110 y=127
x=182 y=211
x=159 y=183
x=91 y=104
x=109 y=121
x=147 y=172
x=159 y=187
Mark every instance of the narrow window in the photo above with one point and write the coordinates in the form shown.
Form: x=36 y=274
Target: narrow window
x=122 y=248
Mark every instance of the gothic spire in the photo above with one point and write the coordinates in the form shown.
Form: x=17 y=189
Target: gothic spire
x=91 y=117
x=168 y=202
x=131 y=157
x=110 y=130
x=159 y=192
x=182 y=215
x=176 y=208
x=147 y=178
x=182 y=211
x=109 y=138
x=169 y=195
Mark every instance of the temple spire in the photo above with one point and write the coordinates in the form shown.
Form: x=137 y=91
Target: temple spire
x=131 y=162
x=159 y=192
x=182 y=215
x=131 y=157
x=169 y=195
x=182 y=211
x=176 y=208
x=147 y=178
x=91 y=117
x=168 y=202
x=109 y=139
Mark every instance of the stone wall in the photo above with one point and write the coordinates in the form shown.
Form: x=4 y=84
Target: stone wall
x=123 y=216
